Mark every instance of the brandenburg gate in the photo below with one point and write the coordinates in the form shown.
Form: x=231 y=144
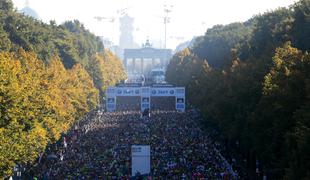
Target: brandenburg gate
x=142 y=61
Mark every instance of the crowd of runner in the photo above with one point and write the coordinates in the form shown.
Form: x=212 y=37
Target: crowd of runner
x=134 y=103
x=163 y=103
x=128 y=103
x=98 y=147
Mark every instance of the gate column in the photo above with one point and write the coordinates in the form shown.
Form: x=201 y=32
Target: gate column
x=111 y=99
x=145 y=98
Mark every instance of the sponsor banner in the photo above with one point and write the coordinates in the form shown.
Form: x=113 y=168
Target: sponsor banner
x=179 y=91
x=145 y=99
x=140 y=159
x=111 y=103
x=145 y=93
x=134 y=91
x=145 y=90
x=145 y=103
x=128 y=91
x=111 y=91
x=162 y=92
x=111 y=100
x=140 y=150
x=180 y=103
x=180 y=106
x=180 y=100
x=145 y=106
x=111 y=107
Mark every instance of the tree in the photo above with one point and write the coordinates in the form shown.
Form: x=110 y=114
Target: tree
x=106 y=70
x=218 y=42
x=301 y=25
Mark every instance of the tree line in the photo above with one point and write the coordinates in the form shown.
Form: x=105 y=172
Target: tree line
x=251 y=81
x=50 y=76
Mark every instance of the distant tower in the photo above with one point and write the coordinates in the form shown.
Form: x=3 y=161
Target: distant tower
x=126 y=28
x=28 y=11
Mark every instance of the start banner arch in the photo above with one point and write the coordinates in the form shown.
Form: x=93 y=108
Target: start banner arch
x=145 y=94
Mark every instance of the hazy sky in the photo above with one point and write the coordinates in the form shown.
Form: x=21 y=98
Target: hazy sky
x=188 y=17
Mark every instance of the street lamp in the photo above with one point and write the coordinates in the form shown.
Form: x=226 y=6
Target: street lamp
x=167 y=10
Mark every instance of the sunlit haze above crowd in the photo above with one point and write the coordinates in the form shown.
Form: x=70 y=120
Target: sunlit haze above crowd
x=188 y=18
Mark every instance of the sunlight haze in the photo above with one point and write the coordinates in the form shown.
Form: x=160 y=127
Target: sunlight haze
x=148 y=14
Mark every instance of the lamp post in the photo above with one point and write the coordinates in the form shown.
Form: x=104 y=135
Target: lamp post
x=167 y=10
